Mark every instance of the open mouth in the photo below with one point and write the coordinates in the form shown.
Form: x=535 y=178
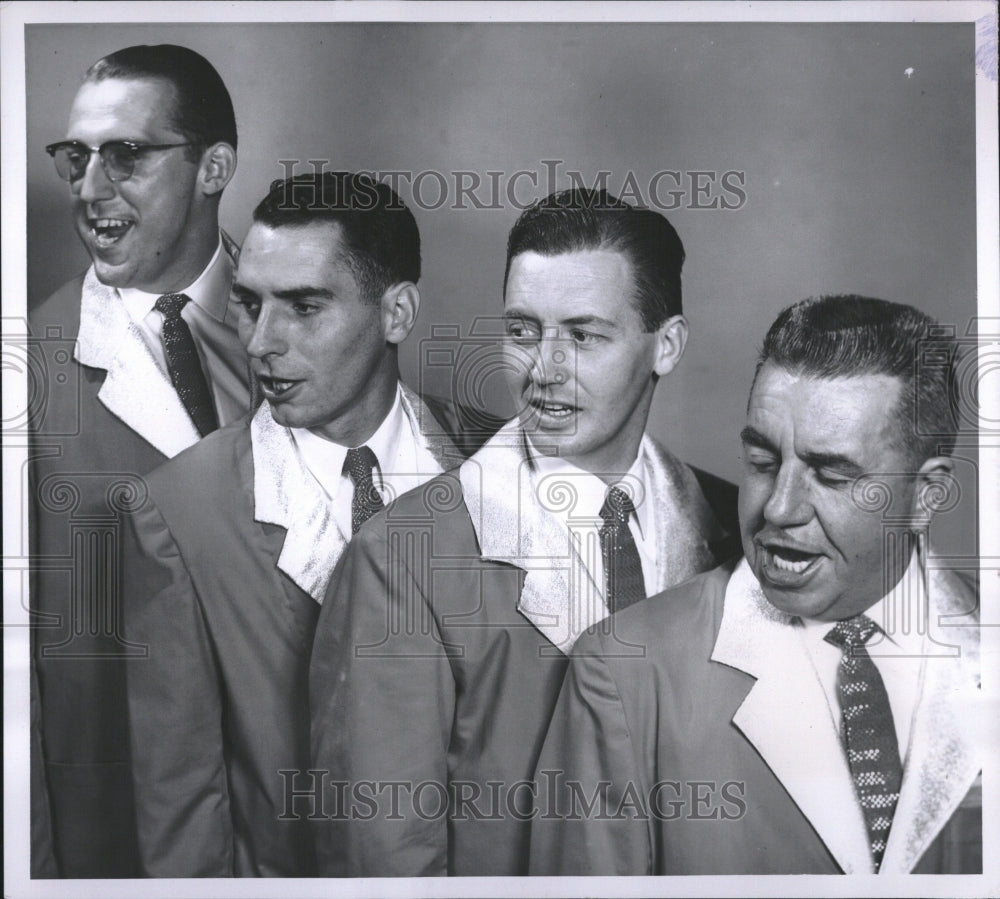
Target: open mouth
x=553 y=411
x=107 y=231
x=784 y=562
x=275 y=388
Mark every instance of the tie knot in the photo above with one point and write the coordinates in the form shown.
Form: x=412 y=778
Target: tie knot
x=852 y=632
x=171 y=303
x=617 y=506
x=359 y=464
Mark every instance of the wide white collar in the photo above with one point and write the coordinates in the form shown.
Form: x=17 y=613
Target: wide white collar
x=287 y=495
x=785 y=717
x=520 y=518
x=136 y=389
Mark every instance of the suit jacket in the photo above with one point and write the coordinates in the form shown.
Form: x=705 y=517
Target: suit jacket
x=103 y=415
x=226 y=601
x=721 y=755
x=439 y=654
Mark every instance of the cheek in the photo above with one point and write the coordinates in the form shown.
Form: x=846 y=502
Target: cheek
x=752 y=498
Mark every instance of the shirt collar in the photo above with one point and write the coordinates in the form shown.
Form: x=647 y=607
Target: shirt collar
x=591 y=490
x=896 y=613
x=325 y=459
x=209 y=291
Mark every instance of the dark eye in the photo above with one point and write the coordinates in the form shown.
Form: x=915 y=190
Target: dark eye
x=250 y=306
x=304 y=308
x=583 y=337
x=520 y=332
x=120 y=155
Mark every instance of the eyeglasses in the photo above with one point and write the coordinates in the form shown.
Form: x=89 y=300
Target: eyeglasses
x=118 y=157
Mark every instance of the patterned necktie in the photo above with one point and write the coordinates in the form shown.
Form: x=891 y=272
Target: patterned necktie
x=366 y=501
x=872 y=749
x=622 y=568
x=183 y=363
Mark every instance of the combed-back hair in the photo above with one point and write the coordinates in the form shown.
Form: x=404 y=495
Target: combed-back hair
x=202 y=109
x=847 y=336
x=588 y=219
x=378 y=233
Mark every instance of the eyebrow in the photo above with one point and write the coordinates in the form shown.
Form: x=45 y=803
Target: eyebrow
x=291 y=294
x=752 y=437
x=575 y=321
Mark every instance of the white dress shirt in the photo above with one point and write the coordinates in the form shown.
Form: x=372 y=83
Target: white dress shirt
x=395 y=448
x=898 y=655
x=212 y=321
x=558 y=479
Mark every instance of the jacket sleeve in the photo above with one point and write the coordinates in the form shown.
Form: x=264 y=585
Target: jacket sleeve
x=382 y=698
x=587 y=768
x=175 y=713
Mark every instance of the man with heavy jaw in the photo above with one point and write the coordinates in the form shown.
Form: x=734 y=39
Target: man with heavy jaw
x=149 y=337
x=443 y=639
x=812 y=707
x=227 y=602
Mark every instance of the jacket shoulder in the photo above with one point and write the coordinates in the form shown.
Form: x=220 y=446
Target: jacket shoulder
x=681 y=620
x=204 y=475
x=59 y=310
x=437 y=504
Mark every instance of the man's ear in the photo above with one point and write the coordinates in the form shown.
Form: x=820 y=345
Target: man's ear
x=936 y=486
x=399 y=305
x=671 y=338
x=218 y=163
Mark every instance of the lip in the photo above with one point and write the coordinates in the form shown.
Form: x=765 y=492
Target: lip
x=551 y=414
x=108 y=231
x=785 y=564
x=277 y=390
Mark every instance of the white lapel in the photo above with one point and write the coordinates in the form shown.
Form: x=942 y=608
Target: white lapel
x=786 y=717
x=136 y=389
x=683 y=521
x=287 y=495
x=512 y=516
x=945 y=752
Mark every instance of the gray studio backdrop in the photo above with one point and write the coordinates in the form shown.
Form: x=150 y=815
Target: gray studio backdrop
x=846 y=154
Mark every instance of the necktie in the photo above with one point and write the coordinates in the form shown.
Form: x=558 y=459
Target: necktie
x=183 y=363
x=622 y=568
x=872 y=749
x=366 y=501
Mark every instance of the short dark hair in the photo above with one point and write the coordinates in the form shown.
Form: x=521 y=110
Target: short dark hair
x=588 y=219
x=847 y=336
x=378 y=232
x=203 y=110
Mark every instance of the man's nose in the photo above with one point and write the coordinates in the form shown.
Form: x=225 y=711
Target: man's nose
x=551 y=360
x=267 y=337
x=789 y=503
x=94 y=185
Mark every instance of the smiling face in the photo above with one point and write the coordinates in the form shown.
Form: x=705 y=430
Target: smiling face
x=580 y=364
x=156 y=230
x=321 y=352
x=816 y=552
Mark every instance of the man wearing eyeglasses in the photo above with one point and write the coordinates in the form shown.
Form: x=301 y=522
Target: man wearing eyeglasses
x=149 y=149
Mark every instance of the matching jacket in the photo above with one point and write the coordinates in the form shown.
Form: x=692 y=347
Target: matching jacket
x=103 y=415
x=439 y=653
x=234 y=548
x=719 y=754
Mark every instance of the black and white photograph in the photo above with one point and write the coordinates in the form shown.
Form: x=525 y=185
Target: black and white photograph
x=490 y=449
